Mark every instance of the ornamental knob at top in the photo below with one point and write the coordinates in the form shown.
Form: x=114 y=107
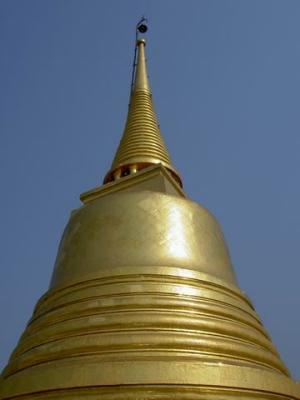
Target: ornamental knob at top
x=141 y=26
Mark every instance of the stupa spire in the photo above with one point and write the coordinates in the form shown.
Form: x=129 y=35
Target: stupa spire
x=141 y=78
x=143 y=302
x=142 y=144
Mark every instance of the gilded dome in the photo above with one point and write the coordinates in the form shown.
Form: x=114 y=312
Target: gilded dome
x=146 y=229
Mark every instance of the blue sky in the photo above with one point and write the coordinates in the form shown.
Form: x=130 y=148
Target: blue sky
x=226 y=87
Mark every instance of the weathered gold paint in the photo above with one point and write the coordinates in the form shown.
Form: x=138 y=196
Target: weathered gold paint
x=143 y=304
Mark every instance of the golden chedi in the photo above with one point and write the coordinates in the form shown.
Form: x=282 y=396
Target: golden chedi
x=143 y=302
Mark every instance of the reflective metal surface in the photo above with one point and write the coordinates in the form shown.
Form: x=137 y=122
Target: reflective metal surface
x=169 y=332
x=143 y=229
x=143 y=302
x=142 y=143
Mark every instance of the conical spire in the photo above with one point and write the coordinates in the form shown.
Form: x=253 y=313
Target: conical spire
x=141 y=144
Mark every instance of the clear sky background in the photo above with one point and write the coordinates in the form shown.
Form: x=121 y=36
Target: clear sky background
x=226 y=85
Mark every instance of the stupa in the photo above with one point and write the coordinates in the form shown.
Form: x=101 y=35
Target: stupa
x=143 y=302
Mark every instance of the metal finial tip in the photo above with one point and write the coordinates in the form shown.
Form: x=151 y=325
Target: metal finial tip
x=142 y=26
x=141 y=41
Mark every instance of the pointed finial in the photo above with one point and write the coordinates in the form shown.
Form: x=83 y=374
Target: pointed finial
x=142 y=144
x=142 y=28
x=141 y=79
